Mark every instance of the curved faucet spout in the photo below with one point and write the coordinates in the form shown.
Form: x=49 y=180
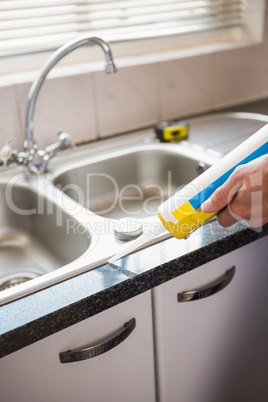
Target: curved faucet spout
x=34 y=158
x=29 y=143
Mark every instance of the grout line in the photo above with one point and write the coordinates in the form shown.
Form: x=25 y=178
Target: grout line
x=95 y=105
x=19 y=111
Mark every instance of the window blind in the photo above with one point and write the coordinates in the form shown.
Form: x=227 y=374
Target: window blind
x=31 y=26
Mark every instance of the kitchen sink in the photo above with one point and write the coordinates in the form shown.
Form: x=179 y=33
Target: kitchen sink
x=55 y=226
x=34 y=235
x=132 y=182
x=62 y=223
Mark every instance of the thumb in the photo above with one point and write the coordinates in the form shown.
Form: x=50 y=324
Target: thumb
x=221 y=197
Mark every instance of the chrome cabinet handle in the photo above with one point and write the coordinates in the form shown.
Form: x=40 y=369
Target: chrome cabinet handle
x=96 y=350
x=213 y=288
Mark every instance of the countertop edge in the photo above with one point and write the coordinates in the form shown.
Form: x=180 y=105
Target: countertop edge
x=87 y=307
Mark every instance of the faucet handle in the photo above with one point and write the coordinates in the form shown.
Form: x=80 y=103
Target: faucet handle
x=6 y=152
x=65 y=140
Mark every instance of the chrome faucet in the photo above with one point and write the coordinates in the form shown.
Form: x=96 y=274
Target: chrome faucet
x=34 y=158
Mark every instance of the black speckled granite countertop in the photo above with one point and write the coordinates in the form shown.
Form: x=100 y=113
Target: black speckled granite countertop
x=46 y=312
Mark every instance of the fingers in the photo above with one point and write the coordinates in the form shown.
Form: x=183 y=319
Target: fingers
x=226 y=218
x=244 y=196
x=226 y=193
x=217 y=201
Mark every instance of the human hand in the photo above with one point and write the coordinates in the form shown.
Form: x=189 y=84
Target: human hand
x=243 y=196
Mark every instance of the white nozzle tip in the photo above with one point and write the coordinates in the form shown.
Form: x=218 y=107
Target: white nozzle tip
x=112 y=259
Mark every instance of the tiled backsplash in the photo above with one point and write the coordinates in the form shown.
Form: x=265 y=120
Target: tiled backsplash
x=94 y=105
x=186 y=86
x=63 y=103
x=10 y=124
x=128 y=99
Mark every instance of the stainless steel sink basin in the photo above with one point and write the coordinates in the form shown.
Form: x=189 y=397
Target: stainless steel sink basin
x=34 y=236
x=63 y=223
x=133 y=182
x=56 y=226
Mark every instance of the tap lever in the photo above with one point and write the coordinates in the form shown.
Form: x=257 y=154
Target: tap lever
x=65 y=140
x=6 y=152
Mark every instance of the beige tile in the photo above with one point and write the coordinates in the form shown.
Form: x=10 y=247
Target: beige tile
x=186 y=86
x=127 y=100
x=9 y=118
x=238 y=75
x=264 y=65
x=63 y=103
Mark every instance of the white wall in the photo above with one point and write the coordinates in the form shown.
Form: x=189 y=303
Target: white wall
x=95 y=105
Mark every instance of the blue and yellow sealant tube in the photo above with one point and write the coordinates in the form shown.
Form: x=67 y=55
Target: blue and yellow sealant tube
x=181 y=214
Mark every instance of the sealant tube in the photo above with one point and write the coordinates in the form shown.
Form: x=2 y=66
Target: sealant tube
x=181 y=213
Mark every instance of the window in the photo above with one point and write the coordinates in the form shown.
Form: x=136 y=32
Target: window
x=34 y=26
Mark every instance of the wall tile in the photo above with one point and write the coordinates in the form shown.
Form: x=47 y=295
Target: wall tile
x=9 y=118
x=63 y=103
x=127 y=100
x=264 y=65
x=238 y=75
x=186 y=86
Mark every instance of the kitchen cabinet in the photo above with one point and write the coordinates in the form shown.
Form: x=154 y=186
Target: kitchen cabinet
x=215 y=348
x=123 y=373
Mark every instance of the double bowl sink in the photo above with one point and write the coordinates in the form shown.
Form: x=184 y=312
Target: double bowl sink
x=60 y=224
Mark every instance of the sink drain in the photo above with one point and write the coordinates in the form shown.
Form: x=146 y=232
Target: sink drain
x=16 y=279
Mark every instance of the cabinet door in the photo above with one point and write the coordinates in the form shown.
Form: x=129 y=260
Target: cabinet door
x=124 y=373
x=215 y=349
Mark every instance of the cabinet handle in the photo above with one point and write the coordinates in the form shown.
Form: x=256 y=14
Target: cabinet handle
x=96 y=350
x=213 y=288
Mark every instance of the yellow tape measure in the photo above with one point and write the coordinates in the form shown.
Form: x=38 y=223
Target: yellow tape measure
x=172 y=131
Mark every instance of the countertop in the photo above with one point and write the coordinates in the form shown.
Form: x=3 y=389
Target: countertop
x=46 y=312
